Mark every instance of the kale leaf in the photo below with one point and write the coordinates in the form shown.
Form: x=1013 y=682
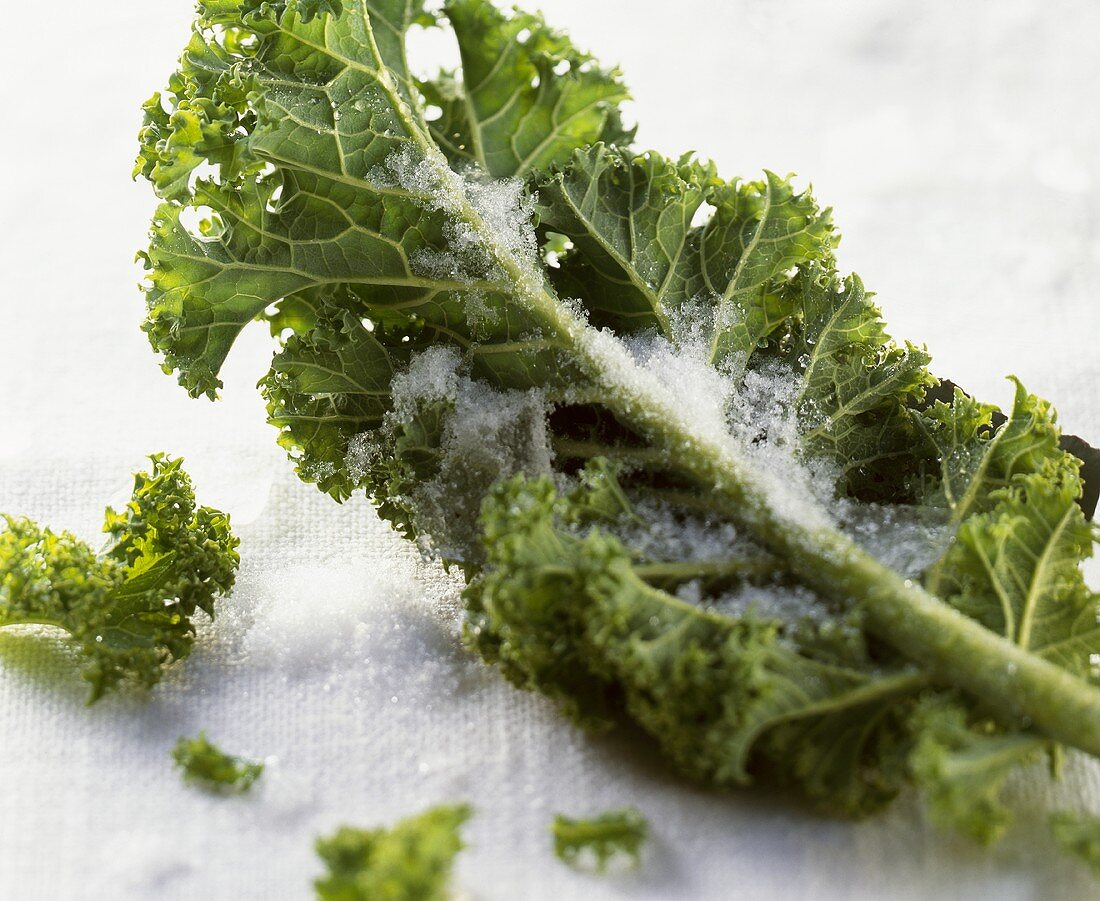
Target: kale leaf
x=689 y=476
x=610 y=836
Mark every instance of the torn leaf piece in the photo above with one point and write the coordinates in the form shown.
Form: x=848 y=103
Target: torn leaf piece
x=205 y=764
x=410 y=861
x=601 y=841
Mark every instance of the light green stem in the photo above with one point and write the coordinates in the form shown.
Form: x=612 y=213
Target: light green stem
x=8 y=618
x=707 y=569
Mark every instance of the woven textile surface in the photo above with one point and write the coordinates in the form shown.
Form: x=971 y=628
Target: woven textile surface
x=959 y=146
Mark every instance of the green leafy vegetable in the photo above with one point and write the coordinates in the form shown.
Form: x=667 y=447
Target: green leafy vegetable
x=689 y=476
x=411 y=861
x=205 y=764
x=616 y=834
x=129 y=607
x=527 y=97
x=963 y=765
x=1079 y=834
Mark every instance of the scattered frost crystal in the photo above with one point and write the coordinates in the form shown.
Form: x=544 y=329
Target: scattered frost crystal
x=691 y=593
x=754 y=419
x=758 y=419
x=431 y=376
x=660 y=532
x=503 y=206
x=790 y=604
x=487 y=435
x=906 y=539
x=678 y=384
x=481 y=313
x=363 y=452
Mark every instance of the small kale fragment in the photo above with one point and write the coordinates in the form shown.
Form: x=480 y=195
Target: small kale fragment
x=130 y=606
x=411 y=861
x=614 y=835
x=205 y=764
x=1079 y=834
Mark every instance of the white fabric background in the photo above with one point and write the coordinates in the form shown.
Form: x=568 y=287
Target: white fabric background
x=958 y=143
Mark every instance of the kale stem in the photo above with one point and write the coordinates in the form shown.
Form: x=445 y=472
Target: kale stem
x=647 y=457
x=684 y=571
x=8 y=618
x=959 y=651
x=954 y=649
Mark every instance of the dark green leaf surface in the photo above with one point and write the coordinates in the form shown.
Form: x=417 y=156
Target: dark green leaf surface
x=630 y=218
x=529 y=96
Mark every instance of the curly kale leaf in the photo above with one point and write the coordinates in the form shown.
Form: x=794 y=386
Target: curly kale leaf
x=630 y=220
x=640 y=256
x=962 y=766
x=130 y=607
x=410 y=861
x=332 y=188
x=718 y=499
x=1015 y=565
x=600 y=840
x=205 y=764
x=571 y=614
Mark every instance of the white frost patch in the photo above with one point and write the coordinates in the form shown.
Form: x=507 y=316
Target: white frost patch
x=764 y=416
x=509 y=212
x=675 y=385
x=700 y=392
x=431 y=376
x=748 y=424
x=665 y=534
x=754 y=424
x=906 y=539
x=481 y=312
x=691 y=593
x=489 y=231
x=788 y=603
x=428 y=178
x=488 y=435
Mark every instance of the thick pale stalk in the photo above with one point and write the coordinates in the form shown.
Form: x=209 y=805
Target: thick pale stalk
x=961 y=652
